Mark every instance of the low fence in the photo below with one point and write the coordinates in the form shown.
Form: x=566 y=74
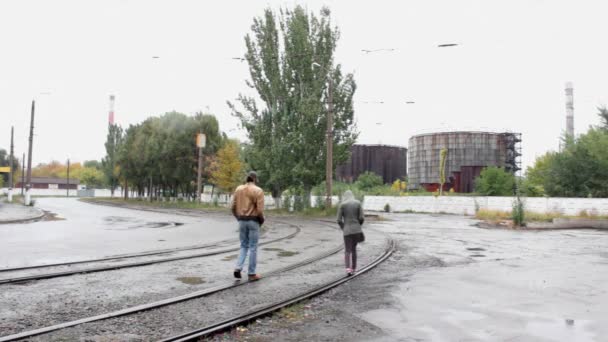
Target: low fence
x=467 y=205
x=224 y=200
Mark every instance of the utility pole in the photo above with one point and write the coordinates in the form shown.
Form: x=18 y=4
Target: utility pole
x=68 y=187
x=329 y=161
x=22 y=173
x=29 y=158
x=10 y=171
x=200 y=143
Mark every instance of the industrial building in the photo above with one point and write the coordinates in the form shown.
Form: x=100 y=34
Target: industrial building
x=389 y=162
x=52 y=183
x=467 y=154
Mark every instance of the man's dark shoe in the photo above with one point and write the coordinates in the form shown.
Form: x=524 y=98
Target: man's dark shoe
x=237 y=274
x=254 y=277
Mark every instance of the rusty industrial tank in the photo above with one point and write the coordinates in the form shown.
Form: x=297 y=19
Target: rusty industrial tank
x=389 y=162
x=468 y=153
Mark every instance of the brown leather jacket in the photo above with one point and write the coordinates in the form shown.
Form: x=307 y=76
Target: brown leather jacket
x=248 y=203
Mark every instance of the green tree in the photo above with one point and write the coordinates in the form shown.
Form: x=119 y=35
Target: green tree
x=5 y=161
x=603 y=114
x=96 y=164
x=159 y=156
x=91 y=177
x=495 y=181
x=368 y=180
x=291 y=64
x=109 y=162
x=227 y=169
x=581 y=168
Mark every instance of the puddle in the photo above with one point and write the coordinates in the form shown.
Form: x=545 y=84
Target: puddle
x=125 y=223
x=476 y=249
x=281 y=252
x=477 y=255
x=50 y=216
x=230 y=257
x=191 y=280
x=284 y=254
x=272 y=249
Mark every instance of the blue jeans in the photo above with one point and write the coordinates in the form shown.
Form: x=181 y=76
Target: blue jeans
x=249 y=232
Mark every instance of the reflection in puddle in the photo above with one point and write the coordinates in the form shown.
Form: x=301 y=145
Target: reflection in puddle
x=124 y=223
x=561 y=330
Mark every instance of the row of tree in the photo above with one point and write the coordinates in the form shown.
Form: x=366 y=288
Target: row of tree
x=293 y=72
x=159 y=157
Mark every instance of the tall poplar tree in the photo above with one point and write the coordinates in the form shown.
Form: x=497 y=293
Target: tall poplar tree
x=113 y=144
x=291 y=63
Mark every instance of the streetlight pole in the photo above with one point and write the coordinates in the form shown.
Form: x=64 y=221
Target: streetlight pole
x=22 y=173
x=10 y=171
x=200 y=143
x=67 y=194
x=329 y=138
x=29 y=158
x=330 y=142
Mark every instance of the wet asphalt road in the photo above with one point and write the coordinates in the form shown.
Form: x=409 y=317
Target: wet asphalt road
x=93 y=231
x=450 y=281
x=447 y=281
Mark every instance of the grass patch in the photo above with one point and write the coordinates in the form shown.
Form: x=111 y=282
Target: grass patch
x=492 y=215
x=156 y=204
x=308 y=212
x=531 y=216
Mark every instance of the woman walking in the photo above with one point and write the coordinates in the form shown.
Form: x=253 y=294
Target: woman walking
x=350 y=219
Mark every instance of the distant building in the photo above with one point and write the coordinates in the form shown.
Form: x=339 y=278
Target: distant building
x=389 y=162
x=52 y=183
x=468 y=154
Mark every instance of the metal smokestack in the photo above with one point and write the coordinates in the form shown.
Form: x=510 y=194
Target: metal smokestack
x=111 y=113
x=569 y=110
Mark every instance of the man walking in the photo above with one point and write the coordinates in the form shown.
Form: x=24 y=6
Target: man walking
x=248 y=208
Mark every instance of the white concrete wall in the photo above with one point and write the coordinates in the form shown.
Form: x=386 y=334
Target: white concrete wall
x=224 y=200
x=466 y=205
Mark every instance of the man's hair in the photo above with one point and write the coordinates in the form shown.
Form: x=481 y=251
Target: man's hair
x=252 y=176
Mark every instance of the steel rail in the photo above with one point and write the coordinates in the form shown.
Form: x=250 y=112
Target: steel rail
x=125 y=256
x=247 y=317
x=121 y=256
x=136 y=264
x=165 y=302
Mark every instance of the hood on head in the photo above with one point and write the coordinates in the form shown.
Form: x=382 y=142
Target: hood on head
x=348 y=195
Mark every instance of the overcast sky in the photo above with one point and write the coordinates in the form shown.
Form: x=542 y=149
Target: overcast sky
x=508 y=73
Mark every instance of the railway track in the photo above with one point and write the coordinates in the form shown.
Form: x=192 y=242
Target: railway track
x=225 y=324
x=165 y=302
x=134 y=264
x=121 y=256
x=239 y=320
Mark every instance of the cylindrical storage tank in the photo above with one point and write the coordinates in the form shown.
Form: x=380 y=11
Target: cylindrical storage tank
x=467 y=154
x=389 y=162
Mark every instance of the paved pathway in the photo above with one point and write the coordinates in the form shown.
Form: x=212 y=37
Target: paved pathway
x=12 y=213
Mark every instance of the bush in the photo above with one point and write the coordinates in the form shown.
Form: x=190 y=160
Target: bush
x=287 y=201
x=319 y=202
x=518 y=214
x=368 y=180
x=495 y=181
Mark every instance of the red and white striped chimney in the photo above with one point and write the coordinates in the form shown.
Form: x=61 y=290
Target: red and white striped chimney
x=111 y=113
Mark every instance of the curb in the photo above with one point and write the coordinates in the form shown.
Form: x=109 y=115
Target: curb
x=38 y=217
